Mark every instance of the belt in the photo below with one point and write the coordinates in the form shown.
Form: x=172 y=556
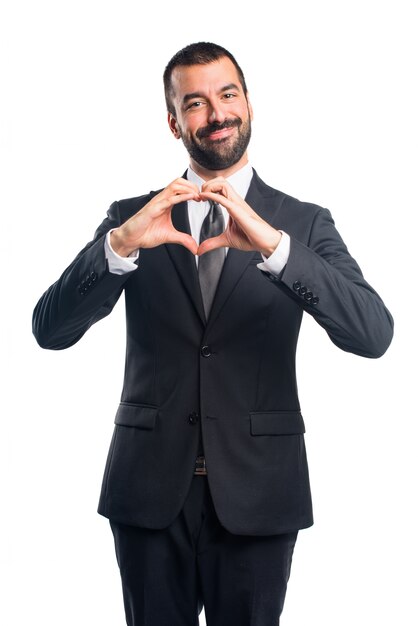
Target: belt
x=200 y=466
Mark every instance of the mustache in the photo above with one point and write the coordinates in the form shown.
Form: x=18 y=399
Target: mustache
x=211 y=128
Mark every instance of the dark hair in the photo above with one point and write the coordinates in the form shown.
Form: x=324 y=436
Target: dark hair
x=200 y=53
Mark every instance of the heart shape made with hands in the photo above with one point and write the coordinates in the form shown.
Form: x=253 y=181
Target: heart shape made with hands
x=152 y=225
x=212 y=227
x=220 y=192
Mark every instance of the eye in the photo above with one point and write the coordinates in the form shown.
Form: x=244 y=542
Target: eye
x=195 y=105
x=229 y=96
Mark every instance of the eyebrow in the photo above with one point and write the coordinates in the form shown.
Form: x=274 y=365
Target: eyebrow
x=198 y=94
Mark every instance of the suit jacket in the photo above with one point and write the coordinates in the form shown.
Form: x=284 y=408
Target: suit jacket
x=233 y=376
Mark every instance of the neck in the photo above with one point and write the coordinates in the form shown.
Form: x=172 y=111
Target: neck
x=210 y=174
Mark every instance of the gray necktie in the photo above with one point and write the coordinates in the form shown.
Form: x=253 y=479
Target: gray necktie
x=210 y=264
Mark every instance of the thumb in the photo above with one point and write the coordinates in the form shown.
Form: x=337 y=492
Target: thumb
x=220 y=241
x=187 y=241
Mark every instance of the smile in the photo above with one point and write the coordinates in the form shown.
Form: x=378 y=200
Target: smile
x=221 y=134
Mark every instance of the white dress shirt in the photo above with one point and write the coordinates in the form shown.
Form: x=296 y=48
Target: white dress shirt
x=197 y=212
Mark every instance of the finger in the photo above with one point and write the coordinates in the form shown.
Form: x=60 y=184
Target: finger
x=184 y=197
x=184 y=240
x=218 y=185
x=183 y=185
x=219 y=198
x=221 y=241
x=179 y=188
x=170 y=201
x=237 y=208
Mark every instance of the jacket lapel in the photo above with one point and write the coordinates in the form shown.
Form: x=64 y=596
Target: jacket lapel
x=264 y=200
x=185 y=261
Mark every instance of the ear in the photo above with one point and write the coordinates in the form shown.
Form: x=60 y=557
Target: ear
x=172 y=123
x=250 y=108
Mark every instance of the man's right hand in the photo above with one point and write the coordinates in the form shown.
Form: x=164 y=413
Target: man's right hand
x=152 y=225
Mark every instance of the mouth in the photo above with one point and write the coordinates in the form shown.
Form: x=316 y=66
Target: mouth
x=218 y=132
x=223 y=133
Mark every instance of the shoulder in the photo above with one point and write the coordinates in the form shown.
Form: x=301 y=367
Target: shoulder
x=297 y=213
x=127 y=203
x=129 y=206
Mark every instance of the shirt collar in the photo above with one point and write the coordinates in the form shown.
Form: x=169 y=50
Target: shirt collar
x=239 y=180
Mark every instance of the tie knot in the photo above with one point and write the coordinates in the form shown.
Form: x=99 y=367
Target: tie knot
x=214 y=210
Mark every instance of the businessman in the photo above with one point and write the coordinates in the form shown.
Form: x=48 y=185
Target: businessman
x=206 y=483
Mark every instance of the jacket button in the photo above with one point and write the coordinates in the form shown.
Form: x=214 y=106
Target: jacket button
x=315 y=300
x=297 y=285
x=205 y=351
x=303 y=290
x=308 y=296
x=193 y=418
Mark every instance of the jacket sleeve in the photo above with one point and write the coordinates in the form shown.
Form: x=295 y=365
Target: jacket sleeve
x=85 y=293
x=328 y=284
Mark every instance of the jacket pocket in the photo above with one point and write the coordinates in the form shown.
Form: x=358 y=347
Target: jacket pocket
x=277 y=423
x=136 y=415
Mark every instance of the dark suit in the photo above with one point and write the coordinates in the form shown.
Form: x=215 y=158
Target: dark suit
x=232 y=377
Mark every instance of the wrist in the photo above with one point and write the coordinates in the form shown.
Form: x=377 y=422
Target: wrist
x=119 y=245
x=272 y=244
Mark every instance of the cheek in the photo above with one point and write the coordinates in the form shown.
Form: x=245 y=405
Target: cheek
x=186 y=129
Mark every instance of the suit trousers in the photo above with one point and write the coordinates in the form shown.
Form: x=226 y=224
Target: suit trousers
x=169 y=574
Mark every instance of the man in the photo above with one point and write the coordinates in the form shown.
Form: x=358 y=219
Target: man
x=206 y=483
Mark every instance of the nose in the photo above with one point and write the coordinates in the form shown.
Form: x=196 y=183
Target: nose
x=216 y=114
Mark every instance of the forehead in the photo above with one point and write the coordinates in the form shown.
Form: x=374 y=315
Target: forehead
x=202 y=78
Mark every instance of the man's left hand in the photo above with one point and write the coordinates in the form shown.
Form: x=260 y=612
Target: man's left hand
x=245 y=230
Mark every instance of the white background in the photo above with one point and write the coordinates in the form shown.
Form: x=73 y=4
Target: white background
x=333 y=86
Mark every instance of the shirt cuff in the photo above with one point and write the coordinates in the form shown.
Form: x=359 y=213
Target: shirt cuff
x=119 y=264
x=277 y=261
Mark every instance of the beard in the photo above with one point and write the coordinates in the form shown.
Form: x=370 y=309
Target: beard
x=222 y=153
